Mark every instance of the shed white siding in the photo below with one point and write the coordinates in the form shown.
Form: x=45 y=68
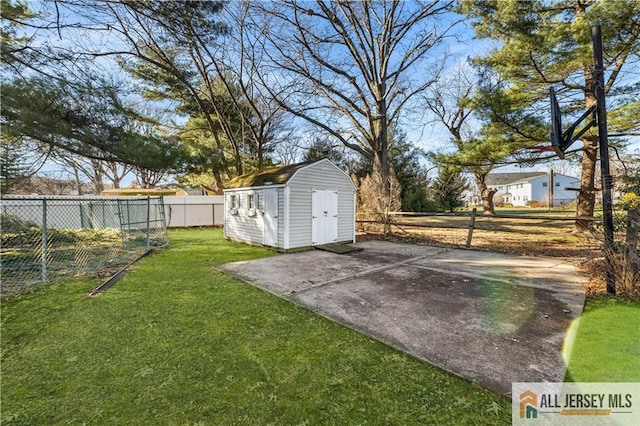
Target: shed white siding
x=281 y=218
x=294 y=207
x=321 y=175
x=242 y=223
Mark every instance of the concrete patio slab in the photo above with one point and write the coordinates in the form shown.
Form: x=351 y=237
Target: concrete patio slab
x=491 y=318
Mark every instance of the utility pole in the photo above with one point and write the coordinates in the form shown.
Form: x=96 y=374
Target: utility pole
x=550 y=182
x=603 y=142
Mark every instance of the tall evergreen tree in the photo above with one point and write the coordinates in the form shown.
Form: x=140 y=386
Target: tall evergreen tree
x=204 y=58
x=84 y=118
x=12 y=167
x=448 y=188
x=547 y=43
x=322 y=147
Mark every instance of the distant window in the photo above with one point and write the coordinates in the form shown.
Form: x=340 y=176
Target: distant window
x=500 y=187
x=557 y=183
x=545 y=184
x=250 y=202
x=234 y=201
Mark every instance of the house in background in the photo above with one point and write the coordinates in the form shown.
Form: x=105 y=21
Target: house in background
x=519 y=189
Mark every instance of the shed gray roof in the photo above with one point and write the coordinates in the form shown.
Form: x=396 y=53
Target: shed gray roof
x=272 y=176
x=495 y=179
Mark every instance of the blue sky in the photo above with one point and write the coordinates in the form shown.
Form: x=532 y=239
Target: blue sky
x=421 y=128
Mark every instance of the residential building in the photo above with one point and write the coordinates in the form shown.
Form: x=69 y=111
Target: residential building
x=519 y=189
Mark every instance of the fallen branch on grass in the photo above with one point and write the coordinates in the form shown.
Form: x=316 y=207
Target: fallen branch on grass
x=115 y=277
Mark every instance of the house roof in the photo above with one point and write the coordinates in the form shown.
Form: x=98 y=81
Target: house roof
x=271 y=176
x=143 y=191
x=495 y=179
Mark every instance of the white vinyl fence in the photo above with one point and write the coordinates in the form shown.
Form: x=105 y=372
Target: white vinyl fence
x=194 y=210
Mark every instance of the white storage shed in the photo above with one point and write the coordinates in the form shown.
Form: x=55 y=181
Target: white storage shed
x=291 y=207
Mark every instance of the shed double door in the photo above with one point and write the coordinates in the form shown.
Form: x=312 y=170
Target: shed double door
x=324 y=216
x=270 y=218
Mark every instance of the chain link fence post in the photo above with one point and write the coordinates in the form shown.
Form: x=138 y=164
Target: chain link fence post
x=148 y=222
x=44 y=240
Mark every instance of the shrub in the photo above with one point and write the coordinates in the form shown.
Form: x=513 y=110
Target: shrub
x=535 y=204
x=416 y=199
x=626 y=273
x=13 y=224
x=629 y=201
x=371 y=194
x=17 y=232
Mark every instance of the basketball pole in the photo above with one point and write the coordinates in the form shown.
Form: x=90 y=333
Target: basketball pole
x=603 y=142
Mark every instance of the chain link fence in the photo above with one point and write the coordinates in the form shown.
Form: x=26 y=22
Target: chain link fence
x=44 y=239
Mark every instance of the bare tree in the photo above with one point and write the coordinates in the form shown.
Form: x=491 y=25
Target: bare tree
x=196 y=54
x=450 y=101
x=95 y=171
x=564 y=167
x=350 y=68
x=288 y=151
x=264 y=121
x=148 y=178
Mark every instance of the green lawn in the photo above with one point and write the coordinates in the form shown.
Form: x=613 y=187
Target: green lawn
x=607 y=343
x=177 y=342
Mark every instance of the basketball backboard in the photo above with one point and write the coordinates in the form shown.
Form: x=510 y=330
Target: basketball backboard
x=561 y=141
x=557 y=141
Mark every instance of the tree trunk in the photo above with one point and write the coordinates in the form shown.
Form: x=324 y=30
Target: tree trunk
x=218 y=179
x=221 y=156
x=143 y=179
x=487 y=195
x=97 y=181
x=587 y=197
x=76 y=175
x=260 y=143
